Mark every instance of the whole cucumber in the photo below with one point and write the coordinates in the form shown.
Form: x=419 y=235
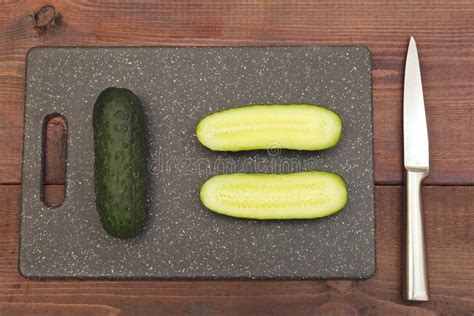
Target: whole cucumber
x=120 y=161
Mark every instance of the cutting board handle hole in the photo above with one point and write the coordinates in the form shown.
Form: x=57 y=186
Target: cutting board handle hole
x=55 y=135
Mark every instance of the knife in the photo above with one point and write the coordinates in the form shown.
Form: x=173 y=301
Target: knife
x=416 y=161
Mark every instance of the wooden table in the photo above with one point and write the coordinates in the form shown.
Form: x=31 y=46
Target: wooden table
x=444 y=31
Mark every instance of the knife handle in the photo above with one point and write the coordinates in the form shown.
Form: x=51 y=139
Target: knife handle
x=416 y=270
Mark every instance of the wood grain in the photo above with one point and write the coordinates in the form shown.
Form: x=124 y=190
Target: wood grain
x=55 y=149
x=450 y=238
x=34 y=309
x=444 y=31
x=445 y=35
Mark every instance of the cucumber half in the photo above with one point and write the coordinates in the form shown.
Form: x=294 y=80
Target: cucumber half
x=275 y=196
x=287 y=126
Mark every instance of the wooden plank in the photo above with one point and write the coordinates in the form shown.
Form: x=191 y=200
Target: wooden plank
x=55 y=149
x=34 y=309
x=450 y=239
x=53 y=195
x=443 y=29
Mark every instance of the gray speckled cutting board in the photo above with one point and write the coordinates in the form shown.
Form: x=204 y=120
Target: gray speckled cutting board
x=182 y=239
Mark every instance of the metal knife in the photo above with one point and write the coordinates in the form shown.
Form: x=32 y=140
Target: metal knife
x=416 y=160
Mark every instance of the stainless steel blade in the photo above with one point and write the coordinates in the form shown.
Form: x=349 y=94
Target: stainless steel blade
x=415 y=132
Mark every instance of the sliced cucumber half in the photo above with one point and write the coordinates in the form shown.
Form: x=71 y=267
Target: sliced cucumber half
x=301 y=195
x=287 y=126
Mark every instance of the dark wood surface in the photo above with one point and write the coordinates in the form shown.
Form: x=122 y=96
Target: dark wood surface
x=445 y=34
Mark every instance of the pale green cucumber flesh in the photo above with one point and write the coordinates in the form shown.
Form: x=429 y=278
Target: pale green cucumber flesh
x=287 y=126
x=301 y=195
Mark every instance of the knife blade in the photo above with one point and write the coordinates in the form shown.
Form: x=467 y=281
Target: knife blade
x=416 y=161
x=415 y=132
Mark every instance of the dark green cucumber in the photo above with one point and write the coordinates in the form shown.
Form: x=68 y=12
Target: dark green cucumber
x=289 y=126
x=301 y=195
x=120 y=162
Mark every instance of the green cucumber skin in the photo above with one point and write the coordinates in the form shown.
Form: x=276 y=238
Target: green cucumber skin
x=120 y=162
x=208 y=137
x=303 y=195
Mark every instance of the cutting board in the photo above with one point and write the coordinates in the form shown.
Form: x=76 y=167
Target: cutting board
x=182 y=239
